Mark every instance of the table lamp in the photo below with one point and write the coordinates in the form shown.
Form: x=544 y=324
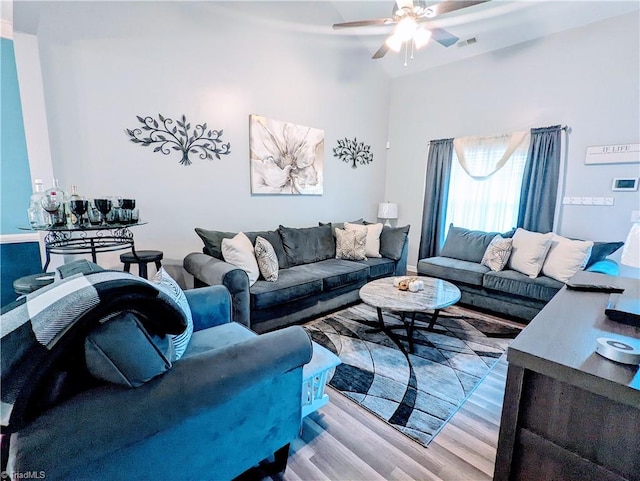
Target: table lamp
x=387 y=211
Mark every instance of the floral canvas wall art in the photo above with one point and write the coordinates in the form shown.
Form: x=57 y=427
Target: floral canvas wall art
x=285 y=158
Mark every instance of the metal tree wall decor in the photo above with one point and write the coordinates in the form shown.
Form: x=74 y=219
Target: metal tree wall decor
x=179 y=137
x=354 y=152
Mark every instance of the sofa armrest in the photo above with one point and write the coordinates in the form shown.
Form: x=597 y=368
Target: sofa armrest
x=209 y=271
x=206 y=385
x=605 y=266
x=210 y=306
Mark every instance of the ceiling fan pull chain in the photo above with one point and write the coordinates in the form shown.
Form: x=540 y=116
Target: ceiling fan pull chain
x=406 y=48
x=413 y=42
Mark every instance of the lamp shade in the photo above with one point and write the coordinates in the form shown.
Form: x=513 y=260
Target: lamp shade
x=631 y=250
x=387 y=210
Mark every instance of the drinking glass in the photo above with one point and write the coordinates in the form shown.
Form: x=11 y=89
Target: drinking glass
x=127 y=209
x=51 y=203
x=79 y=207
x=104 y=206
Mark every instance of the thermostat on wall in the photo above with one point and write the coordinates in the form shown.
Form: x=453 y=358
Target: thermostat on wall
x=625 y=184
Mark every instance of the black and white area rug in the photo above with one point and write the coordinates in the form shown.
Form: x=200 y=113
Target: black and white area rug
x=415 y=393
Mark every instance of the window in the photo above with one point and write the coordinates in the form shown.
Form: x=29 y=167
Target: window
x=484 y=193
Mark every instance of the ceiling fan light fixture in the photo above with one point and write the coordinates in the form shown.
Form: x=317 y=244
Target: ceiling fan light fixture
x=421 y=37
x=394 y=42
x=406 y=28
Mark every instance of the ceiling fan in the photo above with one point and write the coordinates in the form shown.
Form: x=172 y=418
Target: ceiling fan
x=409 y=17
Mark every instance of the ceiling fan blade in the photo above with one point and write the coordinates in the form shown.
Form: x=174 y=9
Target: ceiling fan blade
x=443 y=37
x=404 y=3
x=364 y=23
x=450 y=6
x=382 y=51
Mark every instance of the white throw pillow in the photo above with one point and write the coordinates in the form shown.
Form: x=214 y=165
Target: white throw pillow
x=373 y=232
x=267 y=259
x=497 y=254
x=239 y=252
x=163 y=281
x=529 y=250
x=351 y=244
x=566 y=257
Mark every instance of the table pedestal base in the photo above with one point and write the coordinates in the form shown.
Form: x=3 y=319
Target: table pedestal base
x=408 y=325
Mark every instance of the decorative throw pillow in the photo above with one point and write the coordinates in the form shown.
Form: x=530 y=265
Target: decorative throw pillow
x=392 y=241
x=497 y=254
x=601 y=250
x=529 y=251
x=213 y=241
x=121 y=351
x=372 y=232
x=267 y=259
x=351 y=244
x=566 y=257
x=466 y=245
x=239 y=252
x=169 y=286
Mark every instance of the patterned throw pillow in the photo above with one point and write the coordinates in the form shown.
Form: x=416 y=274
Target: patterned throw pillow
x=351 y=245
x=163 y=281
x=497 y=254
x=267 y=259
x=373 y=232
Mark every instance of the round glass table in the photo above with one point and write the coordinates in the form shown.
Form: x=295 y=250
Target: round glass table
x=90 y=239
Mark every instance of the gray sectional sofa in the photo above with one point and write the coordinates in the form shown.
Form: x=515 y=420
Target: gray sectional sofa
x=311 y=280
x=506 y=292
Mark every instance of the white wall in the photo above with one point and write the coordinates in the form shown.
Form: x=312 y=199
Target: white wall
x=104 y=63
x=587 y=78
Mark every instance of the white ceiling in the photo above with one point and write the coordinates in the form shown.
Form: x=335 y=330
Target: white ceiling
x=496 y=24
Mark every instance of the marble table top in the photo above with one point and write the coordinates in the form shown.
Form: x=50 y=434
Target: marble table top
x=437 y=294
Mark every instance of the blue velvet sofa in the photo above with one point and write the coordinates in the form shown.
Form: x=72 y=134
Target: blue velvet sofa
x=311 y=281
x=506 y=292
x=231 y=401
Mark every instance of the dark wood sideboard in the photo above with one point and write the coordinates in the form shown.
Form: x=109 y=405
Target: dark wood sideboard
x=569 y=413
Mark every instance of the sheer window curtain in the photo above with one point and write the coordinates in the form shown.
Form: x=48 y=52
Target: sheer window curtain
x=435 y=197
x=540 y=180
x=485 y=183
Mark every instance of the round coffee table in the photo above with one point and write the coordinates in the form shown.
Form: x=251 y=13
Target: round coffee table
x=437 y=294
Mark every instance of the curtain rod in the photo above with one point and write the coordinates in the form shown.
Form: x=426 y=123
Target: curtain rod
x=566 y=128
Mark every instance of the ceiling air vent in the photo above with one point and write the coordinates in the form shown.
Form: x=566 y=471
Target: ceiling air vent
x=469 y=41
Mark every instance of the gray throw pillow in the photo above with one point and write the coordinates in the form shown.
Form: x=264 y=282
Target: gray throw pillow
x=392 y=241
x=213 y=241
x=121 y=351
x=307 y=244
x=466 y=245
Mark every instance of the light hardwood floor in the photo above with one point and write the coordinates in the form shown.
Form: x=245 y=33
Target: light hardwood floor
x=344 y=442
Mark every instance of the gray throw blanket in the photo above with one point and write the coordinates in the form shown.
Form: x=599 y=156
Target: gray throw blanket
x=37 y=328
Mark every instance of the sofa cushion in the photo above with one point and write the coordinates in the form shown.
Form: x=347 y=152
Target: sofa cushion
x=267 y=259
x=453 y=270
x=163 y=281
x=529 y=251
x=497 y=254
x=337 y=273
x=217 y=337
x=465 y=244
x=373 y=231
x=392 y=240
x=213 y=241
x=274 y=238
x=513 y=282
x=379 y=267
x=351 y=244
x=601 y=250
x=238 y=251
x=565 y=258
x=292 y=284
x=121 y=351
x=307 y=244
x=340 y=225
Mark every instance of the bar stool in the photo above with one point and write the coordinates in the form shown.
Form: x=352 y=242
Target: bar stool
x=142 y=258
x=33 y=282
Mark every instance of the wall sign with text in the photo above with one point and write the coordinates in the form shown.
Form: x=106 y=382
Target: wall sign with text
x=613 y=154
